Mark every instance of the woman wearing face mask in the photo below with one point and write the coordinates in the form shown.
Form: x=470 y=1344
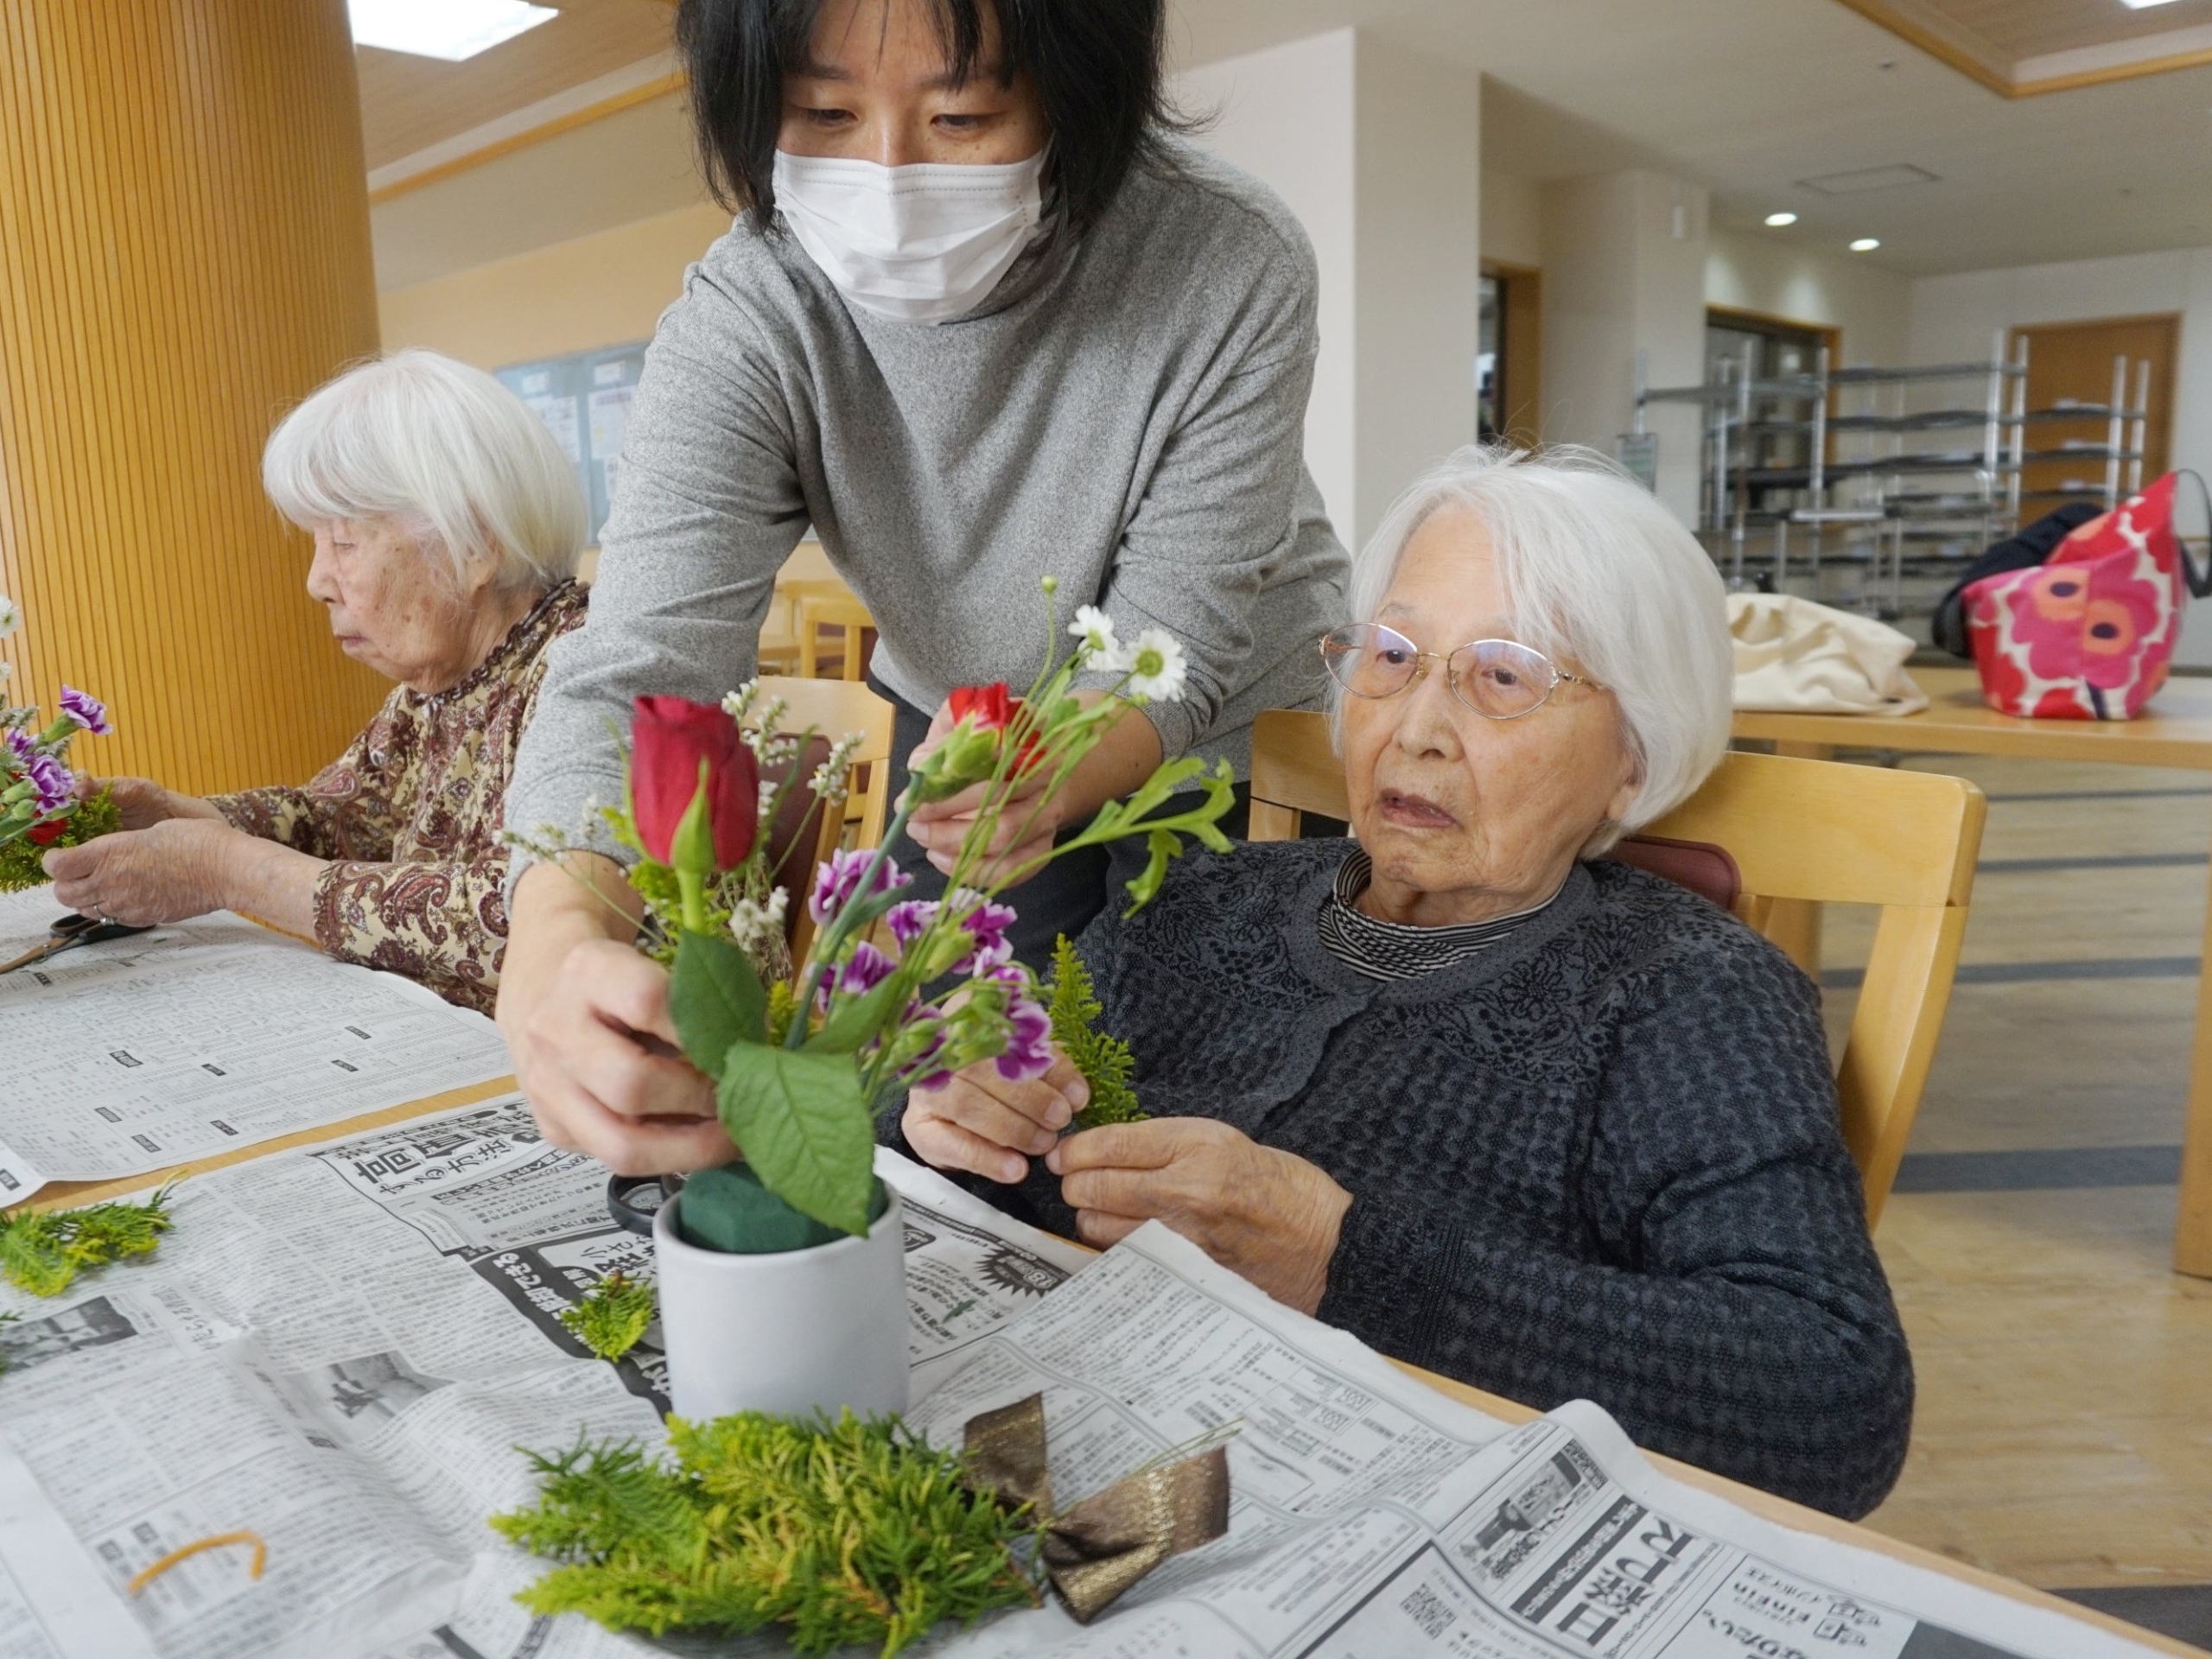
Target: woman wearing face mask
x=984 y=317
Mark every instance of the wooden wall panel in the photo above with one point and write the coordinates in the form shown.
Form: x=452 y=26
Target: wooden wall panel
x=184 y=254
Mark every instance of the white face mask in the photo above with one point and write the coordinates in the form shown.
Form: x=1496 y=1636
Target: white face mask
x=919 y=244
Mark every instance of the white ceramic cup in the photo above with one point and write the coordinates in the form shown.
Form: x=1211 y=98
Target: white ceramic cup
x=788 y=1333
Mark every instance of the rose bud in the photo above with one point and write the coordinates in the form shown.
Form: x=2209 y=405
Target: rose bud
x=683 y=753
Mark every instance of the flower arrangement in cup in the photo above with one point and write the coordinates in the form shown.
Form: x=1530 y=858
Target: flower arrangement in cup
x=893 y=990
x=41 y=806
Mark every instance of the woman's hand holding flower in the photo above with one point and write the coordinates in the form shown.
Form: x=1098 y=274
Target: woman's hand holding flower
x=980 y=1121
x=1127 y=752
x=1268 y=1215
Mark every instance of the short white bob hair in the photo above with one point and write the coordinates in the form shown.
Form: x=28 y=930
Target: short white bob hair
x=443 y=449
x=1596 y=570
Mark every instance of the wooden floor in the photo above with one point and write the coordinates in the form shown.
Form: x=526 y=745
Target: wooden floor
x=2063 y=1434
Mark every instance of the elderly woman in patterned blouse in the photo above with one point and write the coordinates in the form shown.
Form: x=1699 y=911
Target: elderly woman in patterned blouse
x=446 y=526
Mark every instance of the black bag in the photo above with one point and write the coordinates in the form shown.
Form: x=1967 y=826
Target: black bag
x=1947 y=627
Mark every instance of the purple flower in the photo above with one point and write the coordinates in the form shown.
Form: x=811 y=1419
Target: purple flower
x=867 y=969
x=1029 y=1041
x=909 y=919
x=88 y=711
x=986 y=924
x=20 y=745
x=837 y=881
x=57 y=788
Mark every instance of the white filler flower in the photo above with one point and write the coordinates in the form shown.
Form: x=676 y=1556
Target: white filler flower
x=1156 y=666
x=10 y=617
x=1100 y=646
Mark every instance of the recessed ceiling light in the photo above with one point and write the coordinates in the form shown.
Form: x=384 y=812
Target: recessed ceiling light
x=1867 y=245
x=1777 y=220
x=2138 y=5
x=452 y=30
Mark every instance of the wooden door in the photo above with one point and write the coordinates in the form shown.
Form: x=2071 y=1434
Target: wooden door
x=1520 y=392
x=2071 y=363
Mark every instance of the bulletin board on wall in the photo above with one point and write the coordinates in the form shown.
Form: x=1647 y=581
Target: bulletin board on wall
x=584 y=400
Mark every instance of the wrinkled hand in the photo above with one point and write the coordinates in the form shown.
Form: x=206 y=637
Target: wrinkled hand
x=143 y=802
x=176 y=868
x=1268 y=1215
x=1026 y=827
x=978 y=1122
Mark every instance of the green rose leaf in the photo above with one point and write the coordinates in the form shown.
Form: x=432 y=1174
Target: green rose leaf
x=716 y=1000
x=801 y=1123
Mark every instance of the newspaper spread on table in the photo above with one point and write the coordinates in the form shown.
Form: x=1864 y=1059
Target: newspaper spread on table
x=341 y=1348
x=139 y=1053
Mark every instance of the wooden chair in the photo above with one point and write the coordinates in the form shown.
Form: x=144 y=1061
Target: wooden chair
x=831 y=604
x=835 y=708
x=1800 y=831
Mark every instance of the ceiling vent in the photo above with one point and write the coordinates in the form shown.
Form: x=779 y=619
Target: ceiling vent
x=1868 y=178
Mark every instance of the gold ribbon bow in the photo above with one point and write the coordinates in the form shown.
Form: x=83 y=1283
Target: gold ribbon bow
x=1095 y=1549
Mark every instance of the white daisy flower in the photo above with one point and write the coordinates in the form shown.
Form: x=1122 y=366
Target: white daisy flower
x=10 y=617
x=1096 y=629
x=1156 y=666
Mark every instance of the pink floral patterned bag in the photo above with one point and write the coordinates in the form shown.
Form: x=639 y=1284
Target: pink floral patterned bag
x=2089 y=634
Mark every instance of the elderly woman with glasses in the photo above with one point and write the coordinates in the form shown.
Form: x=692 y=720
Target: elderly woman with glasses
x=447 y=525
x=1466 y=1087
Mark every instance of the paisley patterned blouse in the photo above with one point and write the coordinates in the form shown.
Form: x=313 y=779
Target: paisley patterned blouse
x=409 y=819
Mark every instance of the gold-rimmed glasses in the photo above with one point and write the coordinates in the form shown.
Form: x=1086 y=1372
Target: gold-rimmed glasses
x=1499 y=679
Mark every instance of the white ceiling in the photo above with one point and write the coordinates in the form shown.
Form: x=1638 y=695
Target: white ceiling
x=1749 y=96
x=1745 y=96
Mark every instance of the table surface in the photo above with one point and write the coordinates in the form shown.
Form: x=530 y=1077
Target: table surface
x=2176 y=730
x=60 y=1194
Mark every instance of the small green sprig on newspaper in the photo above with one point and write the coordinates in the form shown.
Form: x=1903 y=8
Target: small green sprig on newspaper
x=43 y=1251
x=613 y=1317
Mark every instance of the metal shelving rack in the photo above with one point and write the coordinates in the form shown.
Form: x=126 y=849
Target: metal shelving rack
x=1873 y=471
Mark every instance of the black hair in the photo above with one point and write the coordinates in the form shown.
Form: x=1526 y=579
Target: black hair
x=1096 y=64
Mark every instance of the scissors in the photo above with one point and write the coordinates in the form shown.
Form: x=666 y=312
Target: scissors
x=633 y=1200
x=70 y=932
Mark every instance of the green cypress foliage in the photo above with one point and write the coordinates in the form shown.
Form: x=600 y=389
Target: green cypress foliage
x=612 y=1316
x=848 y=1533
x=1105 y=1061
x=43 y=1251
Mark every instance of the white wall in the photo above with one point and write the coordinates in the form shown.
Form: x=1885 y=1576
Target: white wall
x=1872 y=307
x=1286 y=116
x=1378 y=152
x=1513 y=218
x=1955 y=319
x=1419 y=166
x=1624 y=257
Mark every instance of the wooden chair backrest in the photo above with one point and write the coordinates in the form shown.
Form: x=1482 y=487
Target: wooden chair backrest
x=835 y=708
x=1800 y=831
x=817 y=605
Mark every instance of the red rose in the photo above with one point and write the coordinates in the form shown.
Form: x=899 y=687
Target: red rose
x=993 y=710
x=44 y=835
x=989 y=704
x=669 y=737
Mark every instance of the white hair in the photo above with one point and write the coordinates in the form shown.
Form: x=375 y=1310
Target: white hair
x=442 y=448
x=1593 y=569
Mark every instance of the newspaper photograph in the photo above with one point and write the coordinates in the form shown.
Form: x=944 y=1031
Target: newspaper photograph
x=341 y=1348
x=134 y=1054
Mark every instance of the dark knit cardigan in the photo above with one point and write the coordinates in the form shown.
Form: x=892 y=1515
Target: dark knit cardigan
x=1602 y=1161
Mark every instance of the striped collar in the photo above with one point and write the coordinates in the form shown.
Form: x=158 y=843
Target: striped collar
x=1381 y=949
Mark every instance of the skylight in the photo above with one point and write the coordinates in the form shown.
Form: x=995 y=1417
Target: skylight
x=452 y=30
